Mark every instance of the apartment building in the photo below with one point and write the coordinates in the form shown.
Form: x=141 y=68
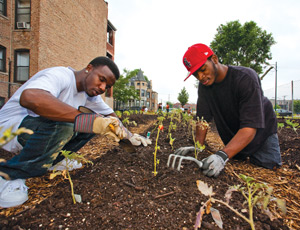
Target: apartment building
x=37 y=34
x=148 y=97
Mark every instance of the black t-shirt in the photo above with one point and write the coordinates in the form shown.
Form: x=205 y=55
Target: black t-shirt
x=238 y=102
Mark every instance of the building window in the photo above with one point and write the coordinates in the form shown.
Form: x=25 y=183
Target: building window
x=153 y=96
x=137 y=103
x=138 y=83
x=3 y=7
x=2 y=58
x=143 y=93
x=21 y=65
x=148 y=104
x=2 y=100
x=22 y=14
x=148 y=94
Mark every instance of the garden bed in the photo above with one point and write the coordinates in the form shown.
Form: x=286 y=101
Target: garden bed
x=120 y=190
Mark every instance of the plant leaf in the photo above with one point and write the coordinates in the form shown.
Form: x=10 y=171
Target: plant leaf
x=217 y=217
x=204 y=189
x=281 y=204
x=229 y=193
x=199 y=218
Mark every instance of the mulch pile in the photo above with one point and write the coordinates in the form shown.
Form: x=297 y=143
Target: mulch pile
x=120 y=192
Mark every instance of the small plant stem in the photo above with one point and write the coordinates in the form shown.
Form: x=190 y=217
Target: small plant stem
x=72 y=189
x=156 y=152
x=250 y=207
x=235 y=211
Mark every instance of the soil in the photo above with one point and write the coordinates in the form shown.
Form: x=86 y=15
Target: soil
x=120 y=191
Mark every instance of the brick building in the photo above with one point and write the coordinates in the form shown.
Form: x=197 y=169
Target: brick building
x=37 y=34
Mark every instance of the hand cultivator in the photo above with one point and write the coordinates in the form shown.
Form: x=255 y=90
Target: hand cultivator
x=175 y=156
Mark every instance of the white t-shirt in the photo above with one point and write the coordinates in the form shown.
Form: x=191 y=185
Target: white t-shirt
x=60 y=82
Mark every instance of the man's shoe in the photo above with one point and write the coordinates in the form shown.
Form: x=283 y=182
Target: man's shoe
x=12 y=192
x=62 y=165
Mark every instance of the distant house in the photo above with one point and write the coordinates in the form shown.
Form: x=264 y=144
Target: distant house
x=148 y=97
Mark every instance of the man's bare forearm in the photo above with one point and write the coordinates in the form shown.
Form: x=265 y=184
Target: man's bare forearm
x=46 y=105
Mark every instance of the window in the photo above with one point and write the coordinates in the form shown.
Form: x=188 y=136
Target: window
x=2 y=58
x=138 y=83
x=148 y=94
x=153 y=96
x=23 y=13
x=143 y=93
x=2 y=100
x=148 y=104
x=138 y=103
x=21 y=65
x=3 y=7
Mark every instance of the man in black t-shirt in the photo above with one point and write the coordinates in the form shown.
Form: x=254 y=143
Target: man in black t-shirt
x=245 y=119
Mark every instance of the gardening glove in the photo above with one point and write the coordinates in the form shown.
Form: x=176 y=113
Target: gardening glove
x=185 y=150
x=137 y=140
x=214 y=164
x=96 y=123
x=117 y=131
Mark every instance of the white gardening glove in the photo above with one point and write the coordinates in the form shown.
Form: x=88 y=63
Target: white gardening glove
x=185 y=150
x=137 y=140
x=214 y=164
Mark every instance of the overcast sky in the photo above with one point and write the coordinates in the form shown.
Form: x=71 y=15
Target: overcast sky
x=153 y=35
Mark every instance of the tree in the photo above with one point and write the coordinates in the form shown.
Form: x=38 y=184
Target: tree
x=296 y=106
x=246 y=45
x=183 y=97
x=122 y=91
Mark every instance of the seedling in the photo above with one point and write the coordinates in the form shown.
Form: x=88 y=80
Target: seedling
x=171 y=140
x=126 y=122
x=280 y=126
x=293 y=125
x=203 y=125
x=256 y=194
x=69 y=156
x=160 y=128
x=8 y=135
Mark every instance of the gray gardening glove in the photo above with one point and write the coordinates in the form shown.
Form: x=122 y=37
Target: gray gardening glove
x=214 y=164
x=185 y=150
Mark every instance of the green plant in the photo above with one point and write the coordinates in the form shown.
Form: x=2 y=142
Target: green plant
x=8 y=135
x=280 y=125
x=256 y=194
x=118 y=113
x=203 y=125
x=160 y=128
x=69 y=156
x=293 y=125
x=126 y=122
x=171 y=140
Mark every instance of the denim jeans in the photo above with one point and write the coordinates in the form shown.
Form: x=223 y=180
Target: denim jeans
x=268 y=156
x=41 y=149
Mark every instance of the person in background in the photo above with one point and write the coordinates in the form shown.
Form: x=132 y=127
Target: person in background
x=64 y=109
x=168 y=107
x=244 y=117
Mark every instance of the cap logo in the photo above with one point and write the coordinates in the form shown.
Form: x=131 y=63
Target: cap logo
x=187 y=63
x=206 y=53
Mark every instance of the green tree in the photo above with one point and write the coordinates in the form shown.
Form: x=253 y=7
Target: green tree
x=183 y=97
x=246 y=45
x=123 y=92
x=297 y=106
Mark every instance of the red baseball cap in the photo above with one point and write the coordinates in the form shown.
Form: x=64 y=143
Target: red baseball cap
x=195 y=57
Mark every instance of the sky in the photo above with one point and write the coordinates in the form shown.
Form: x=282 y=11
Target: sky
x=153 y=35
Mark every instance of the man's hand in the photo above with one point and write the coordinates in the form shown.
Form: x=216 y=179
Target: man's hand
x=137 y=140
x=185 y=150
x=214 y=164
x=96 y=123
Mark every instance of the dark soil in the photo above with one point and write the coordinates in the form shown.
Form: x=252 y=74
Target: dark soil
x=120 y=191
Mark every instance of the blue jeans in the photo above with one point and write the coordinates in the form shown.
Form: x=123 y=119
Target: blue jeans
x=268 y=156
x=42 y=149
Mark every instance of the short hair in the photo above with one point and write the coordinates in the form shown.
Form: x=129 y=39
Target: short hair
x=105 y=61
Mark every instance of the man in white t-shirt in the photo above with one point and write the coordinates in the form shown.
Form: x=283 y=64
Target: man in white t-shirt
x=48 y=104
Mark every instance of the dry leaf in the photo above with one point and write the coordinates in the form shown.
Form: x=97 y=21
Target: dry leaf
x=217 y=217
x=204 y=189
